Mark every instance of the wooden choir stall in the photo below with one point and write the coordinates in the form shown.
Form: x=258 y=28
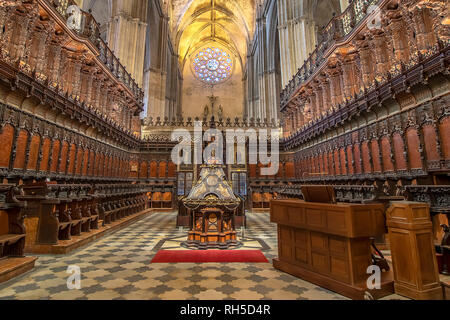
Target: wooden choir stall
x=12 y=235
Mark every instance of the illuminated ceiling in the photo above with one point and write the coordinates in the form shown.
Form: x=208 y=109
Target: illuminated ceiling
x=226 y=23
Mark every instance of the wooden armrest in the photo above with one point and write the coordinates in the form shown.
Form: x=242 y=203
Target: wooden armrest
x=10 y=238
x=73 y=222
x=63 y=225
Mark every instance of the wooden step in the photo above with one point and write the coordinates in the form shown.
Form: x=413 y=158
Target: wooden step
x=12 y=267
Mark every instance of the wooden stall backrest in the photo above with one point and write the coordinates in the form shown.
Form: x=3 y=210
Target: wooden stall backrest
x=256 y=197
x=157 y=196
x=4 y=222
x=322 y=194
x=267 y=197
x=167 y=196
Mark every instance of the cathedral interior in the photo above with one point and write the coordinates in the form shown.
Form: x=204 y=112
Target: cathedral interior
x=116 y=182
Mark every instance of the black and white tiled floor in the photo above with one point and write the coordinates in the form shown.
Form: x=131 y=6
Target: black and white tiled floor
x=118 y=267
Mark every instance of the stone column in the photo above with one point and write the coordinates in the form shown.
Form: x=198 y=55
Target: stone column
x=344 y=4
x=127 y=35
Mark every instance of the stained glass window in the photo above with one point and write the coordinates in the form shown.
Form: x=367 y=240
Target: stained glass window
x=212 y=65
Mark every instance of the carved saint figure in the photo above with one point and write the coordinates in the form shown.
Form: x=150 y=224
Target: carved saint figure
x=206 y=112
x=220 y=112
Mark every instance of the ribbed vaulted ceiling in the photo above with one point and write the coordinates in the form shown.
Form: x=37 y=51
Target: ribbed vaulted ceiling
x=228 y=23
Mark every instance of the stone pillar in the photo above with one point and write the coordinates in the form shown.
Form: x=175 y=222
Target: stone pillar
x=413 y=254
x=274 y=96
x=344 y=4
x=127 y=35
x=297 y=38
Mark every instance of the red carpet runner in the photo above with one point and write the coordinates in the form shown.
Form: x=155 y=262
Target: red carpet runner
x=205 y=256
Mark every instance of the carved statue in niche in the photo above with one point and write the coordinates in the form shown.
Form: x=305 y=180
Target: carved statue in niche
x=220 y=112
x=206 y=111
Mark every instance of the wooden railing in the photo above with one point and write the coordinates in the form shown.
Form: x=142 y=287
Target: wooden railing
x=90 y=29
x=337 y=30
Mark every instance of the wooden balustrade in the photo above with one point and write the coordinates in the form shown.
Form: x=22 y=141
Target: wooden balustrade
x=347 y=38
x=79 y=80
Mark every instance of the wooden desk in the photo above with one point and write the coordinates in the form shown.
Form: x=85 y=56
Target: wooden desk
x=329 y=244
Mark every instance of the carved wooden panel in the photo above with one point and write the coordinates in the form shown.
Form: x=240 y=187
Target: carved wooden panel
x=102 y=165
x=21 y=147
x=336 y=162
x=55 y=155
x=386 y=152
x=34 y=152
x=143 y=172
x=153 y=169
x=45 y=154
x=162 y=170
x=444 y=129
x=366 y=157
x=6 y=138
x=413 y=144
x=172 y=170
x=80 y=161
x=430 y=140
x=91 y=163
x=64 y=156
x=96 y=164
x=357 y=153
x=72 y=154
x=375 y=153
x=351 y=169
x=4 y=222
x=331 y=163
x=343 y=162
x=289 y=168
x=399 y=149
x=85 y=162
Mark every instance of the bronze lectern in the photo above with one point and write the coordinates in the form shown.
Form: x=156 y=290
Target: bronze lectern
x=213 y=205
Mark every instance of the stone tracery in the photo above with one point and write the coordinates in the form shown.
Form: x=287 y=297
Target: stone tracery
x=212 y=65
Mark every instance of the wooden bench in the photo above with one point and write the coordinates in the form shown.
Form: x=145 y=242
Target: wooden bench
x=58 y=212
x=116 y=202
x=47 y=217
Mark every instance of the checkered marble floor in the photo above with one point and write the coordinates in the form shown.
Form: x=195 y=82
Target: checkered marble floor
x=118 y=267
